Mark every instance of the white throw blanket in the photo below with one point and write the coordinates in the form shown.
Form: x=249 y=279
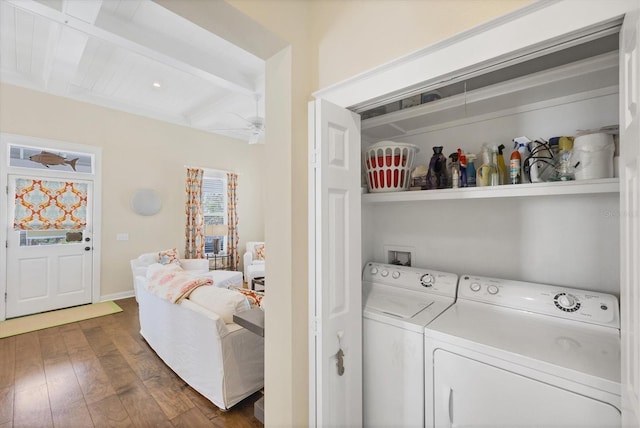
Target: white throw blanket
x=175 y=284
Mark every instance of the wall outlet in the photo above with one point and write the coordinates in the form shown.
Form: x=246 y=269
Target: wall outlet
x=122 y=237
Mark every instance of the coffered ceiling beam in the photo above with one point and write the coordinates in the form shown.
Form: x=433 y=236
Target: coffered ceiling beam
x=136 y=45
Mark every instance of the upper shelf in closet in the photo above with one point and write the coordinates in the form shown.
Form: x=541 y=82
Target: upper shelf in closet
x=605 y=185
x=582 y=72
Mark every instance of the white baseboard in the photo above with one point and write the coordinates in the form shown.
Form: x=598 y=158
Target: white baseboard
x=116 y=296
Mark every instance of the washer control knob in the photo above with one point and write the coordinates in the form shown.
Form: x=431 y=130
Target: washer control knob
x=492 y=289
x=475 y=286
x=566 y=302
x=395 y=275
x=374 y=270
x=384 y=273
x=427 y=280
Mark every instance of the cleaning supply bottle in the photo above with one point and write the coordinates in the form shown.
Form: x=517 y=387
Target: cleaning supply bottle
x=502 y=167
x=522 y=145
x=515 y=167
x=462 y=159
x=454 y=171
x=495 y=171
x=487 y=174
x=437 y=175
x=471 y=170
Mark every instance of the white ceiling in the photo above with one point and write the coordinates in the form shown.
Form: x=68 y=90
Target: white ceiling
x=111 y=52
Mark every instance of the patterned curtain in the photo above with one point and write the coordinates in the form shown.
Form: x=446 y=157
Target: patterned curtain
x=232 y=221
x=194 y=231
x=47 y=205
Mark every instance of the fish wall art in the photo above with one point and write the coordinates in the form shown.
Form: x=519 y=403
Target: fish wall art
x=46 y=159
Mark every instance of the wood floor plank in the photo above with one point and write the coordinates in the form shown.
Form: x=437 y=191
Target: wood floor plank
x=192 y=418
x=142 y=408
x=76 y=415
x=52 y=344
x=7 y=362
x=205 y=406
x=169 y=396
x=31 y=407
x=93 y=380
x=99 y=341
x=6 y=405
x=109 y=412
x=29 y=368
x=121 y=375
x=62 y=384
x=77 y=345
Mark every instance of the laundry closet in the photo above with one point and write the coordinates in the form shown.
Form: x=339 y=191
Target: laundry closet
x=565 y=233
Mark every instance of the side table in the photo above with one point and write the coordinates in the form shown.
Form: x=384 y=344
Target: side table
x=253 y=320
x=257 y=281
x=220 y=261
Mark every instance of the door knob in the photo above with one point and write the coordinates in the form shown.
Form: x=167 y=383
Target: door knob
x=87 y=239
x=87 y=248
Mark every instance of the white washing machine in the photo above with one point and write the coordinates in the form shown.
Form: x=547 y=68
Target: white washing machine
x=398 y=302
x=515 y=354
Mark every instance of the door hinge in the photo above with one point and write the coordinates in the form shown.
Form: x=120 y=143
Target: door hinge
x=5 y=297
x=313 y=159
x=315 y=326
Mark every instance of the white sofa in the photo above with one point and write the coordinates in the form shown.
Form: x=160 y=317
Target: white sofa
x=253 y=266
x=221 y=360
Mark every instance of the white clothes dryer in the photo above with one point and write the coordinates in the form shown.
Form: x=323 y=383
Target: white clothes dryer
x=516 y=354
x=398 y=302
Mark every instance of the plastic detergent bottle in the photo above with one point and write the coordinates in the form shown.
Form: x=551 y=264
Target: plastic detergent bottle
x=502 y=167
x=487 y=174
x=462 y=159
x=471 y=170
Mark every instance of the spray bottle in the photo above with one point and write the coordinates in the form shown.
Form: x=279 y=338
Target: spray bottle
x=522 y=145
x=502 y=167
x=462 y=159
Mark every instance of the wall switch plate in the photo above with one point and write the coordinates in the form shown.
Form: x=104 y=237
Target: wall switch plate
x=122 y=237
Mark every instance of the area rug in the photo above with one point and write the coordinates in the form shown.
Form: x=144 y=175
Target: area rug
x=35 y=322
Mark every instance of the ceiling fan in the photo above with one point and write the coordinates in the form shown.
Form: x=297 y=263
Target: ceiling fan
x=254 y=127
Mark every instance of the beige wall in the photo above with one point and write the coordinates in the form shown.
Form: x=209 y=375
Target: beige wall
x=331 y=40
x=138 y=153
x=350 y=37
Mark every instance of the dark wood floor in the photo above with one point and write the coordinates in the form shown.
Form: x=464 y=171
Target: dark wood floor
x=101 y=373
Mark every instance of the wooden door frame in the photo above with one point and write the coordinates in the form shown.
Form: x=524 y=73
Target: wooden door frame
x=6 y=170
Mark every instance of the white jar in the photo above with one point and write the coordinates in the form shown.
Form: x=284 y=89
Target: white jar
x=593 y=156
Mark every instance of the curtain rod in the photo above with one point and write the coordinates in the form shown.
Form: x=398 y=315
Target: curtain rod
x=211 y=169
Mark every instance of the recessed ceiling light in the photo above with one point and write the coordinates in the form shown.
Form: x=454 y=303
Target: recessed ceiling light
x=156 y=84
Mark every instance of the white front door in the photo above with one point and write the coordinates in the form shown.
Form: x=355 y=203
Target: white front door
x=335 y=267
x=48 y=269
x=630 y=216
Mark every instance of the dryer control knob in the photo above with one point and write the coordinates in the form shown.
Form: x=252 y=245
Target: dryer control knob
x=427 y=280
x=492 y=289
x=475 y=286
x=374 y=270
x=395 y=275
x=384 y=273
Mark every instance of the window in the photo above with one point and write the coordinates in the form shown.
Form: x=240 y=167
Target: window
x=214 y=208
